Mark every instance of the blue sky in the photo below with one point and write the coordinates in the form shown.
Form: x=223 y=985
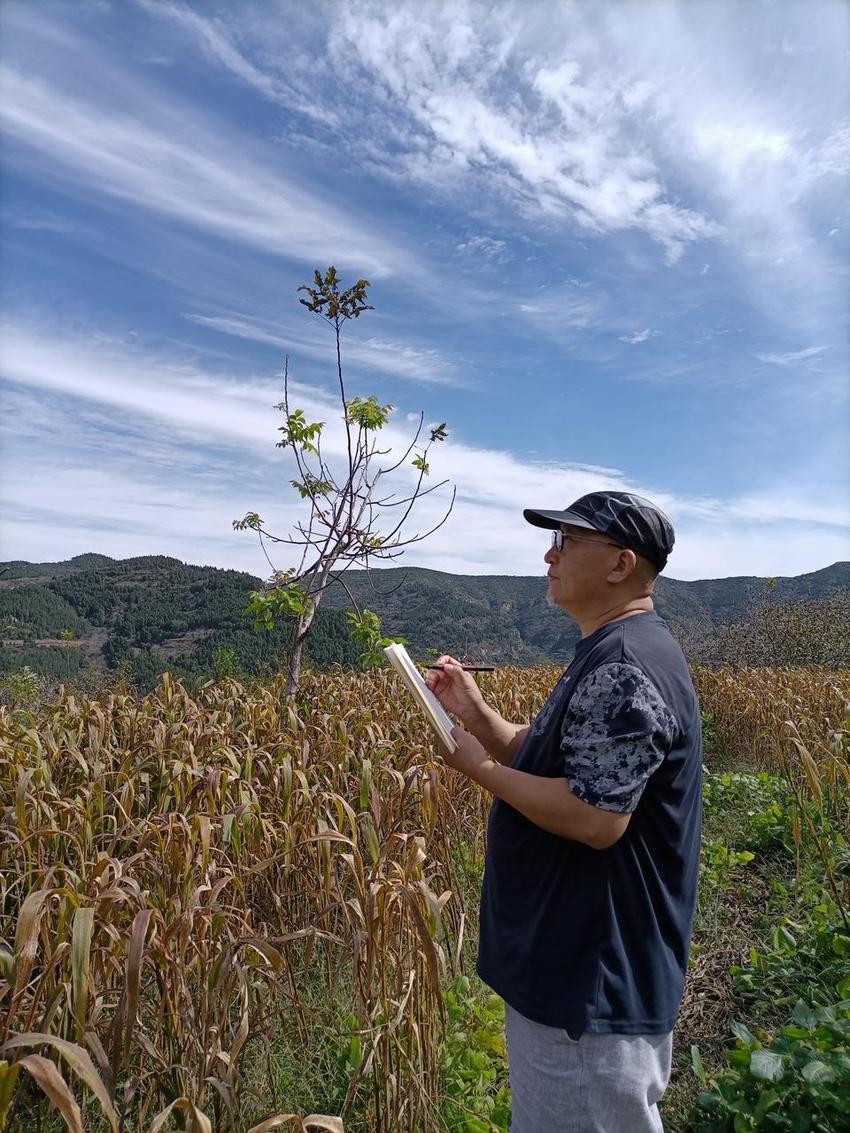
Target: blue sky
x=608 y=244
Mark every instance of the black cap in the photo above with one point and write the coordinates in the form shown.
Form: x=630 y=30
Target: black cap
x=629 y=520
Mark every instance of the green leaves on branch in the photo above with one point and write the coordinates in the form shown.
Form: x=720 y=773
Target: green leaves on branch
x=311 y=486
x=289 y=601
x=326 y=299
x=296 y=431
x=251 y=520
x=438 y=433
x=366 y=632
x=367 y=413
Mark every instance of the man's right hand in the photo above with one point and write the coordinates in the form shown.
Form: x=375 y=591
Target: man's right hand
x=455 y=689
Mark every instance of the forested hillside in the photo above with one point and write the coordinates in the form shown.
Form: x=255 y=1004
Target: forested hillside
x=148 y=615
x=155 y=613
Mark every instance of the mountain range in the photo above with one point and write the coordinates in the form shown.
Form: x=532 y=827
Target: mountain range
x=153 y=613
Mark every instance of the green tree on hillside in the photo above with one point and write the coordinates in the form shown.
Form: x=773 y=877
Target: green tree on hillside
x=353 y=516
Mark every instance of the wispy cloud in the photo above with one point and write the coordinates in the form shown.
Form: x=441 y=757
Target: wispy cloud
x=27 y=220
x=793 y=357
x=218 y=42
x=486 y=246
x=126 y=491
x=638 y=336
x=411 y=363
x=562 y=141
x=201 y=177
x=587 y=117
x=560 y=309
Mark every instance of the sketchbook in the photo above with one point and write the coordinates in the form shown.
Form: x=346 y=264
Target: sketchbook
x=440 y=721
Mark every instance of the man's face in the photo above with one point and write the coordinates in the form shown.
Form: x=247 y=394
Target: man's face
x=577 y=572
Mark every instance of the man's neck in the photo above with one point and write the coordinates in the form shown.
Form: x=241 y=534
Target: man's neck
x=590 y=623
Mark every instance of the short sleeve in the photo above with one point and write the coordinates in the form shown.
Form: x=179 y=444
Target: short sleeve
x=616 y=732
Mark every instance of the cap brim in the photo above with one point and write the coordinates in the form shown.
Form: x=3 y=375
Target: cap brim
x=553 y=519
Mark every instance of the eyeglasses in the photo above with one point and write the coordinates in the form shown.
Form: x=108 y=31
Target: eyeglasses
x=560 y=537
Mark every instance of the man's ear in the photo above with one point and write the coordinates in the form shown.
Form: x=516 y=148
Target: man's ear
x=625 y=566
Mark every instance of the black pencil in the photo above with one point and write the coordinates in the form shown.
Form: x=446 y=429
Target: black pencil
x=469 y=668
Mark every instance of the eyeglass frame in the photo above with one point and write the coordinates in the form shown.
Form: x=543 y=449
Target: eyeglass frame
x=561 y=537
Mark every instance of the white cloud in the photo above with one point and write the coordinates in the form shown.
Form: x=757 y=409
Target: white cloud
x=587 y=115
x=140 y=453
x=638 y=336
x=27 y=220
x=826 y=159
x=200 y=176
x=736 y=147
x=792 y=357
x=135 y=382
x=217 y=42
x=486 y=246
x=574 y=152
x=414 y=364
x=558 y=309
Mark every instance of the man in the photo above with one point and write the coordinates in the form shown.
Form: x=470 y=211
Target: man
x=593 y=841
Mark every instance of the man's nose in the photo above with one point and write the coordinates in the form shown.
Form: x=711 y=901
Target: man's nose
x=551 y=556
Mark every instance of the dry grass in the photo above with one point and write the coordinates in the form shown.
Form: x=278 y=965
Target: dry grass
x=177 y=870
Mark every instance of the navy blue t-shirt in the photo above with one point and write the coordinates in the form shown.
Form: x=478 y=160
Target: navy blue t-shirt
x=597 y=940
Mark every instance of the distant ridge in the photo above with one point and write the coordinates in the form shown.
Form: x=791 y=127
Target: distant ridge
x=18 y=568
x=154 y=612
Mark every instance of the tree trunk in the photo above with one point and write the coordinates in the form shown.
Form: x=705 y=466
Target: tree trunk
x=302 y=628
x=293 y=674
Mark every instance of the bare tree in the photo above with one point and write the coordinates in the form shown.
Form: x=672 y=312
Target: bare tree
x=354 y=516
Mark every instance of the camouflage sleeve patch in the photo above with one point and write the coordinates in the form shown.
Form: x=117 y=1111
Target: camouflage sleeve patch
x=616 y=732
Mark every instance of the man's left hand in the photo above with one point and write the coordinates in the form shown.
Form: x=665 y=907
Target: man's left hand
x=469 y=757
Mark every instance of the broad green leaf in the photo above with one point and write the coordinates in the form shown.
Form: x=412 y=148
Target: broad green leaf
x=766 y=1065
x=804 y=1015
x=768 y=1100
x=817 y=1072
x=743 y=1033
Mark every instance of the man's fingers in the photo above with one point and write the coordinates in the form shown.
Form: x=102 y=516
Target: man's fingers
x=440 y=679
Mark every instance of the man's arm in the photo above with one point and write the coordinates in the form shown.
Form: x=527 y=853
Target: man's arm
x=548 y=803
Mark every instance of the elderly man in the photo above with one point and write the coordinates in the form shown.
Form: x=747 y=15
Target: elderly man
x=594 y=834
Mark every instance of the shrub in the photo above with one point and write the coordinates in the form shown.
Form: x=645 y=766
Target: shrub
x=799 y=1081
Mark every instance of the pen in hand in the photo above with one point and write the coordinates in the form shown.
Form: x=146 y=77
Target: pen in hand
x=469 y=668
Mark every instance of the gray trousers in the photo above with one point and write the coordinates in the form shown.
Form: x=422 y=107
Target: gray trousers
x=594 y=1084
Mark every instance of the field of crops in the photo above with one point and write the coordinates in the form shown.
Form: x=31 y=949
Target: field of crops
x=222 y=911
